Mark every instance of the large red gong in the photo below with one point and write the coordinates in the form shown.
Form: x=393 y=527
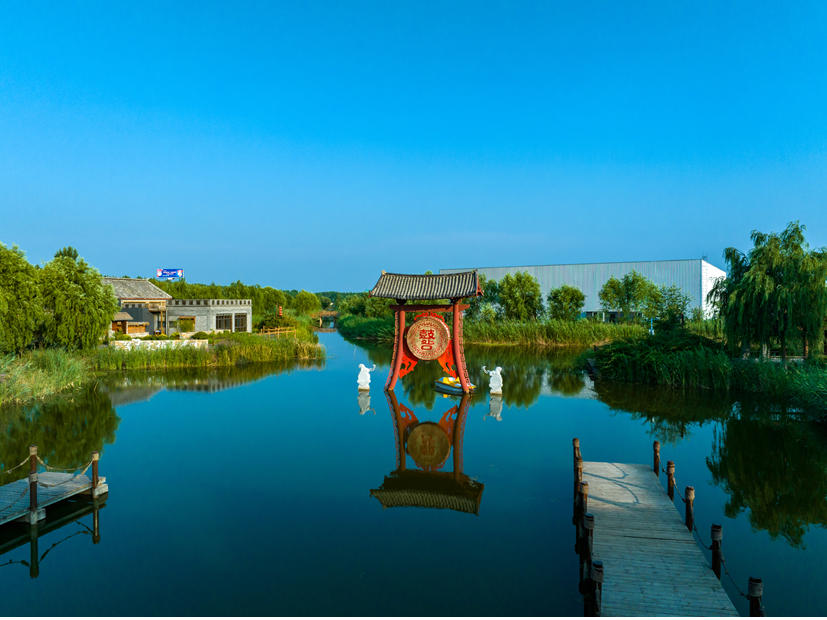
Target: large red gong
x=428 y=338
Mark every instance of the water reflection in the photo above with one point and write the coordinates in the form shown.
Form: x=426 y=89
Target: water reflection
x=429 y=445
x=527 y=374
x=774 y=466
x=66 y=431
x=60 y=515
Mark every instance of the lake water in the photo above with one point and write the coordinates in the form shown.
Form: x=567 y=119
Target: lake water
x=262 y=491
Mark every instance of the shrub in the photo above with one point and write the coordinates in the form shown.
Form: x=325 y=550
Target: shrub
x=200 y=336
x=186 y=325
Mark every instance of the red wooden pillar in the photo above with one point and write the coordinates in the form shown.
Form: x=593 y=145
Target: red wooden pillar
x=398 y=350
x=459 y=357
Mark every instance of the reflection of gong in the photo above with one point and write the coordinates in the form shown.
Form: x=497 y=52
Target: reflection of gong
x=428 y=444
x=428 y=338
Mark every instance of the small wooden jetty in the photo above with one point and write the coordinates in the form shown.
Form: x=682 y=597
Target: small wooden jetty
x=26 y=500
x=638 y=557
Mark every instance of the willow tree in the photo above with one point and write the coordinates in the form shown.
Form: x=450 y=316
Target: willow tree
x=20 y=306
x=78 y=306
x=776 y=292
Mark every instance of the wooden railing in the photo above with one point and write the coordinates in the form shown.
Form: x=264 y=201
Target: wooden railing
x=278 y=332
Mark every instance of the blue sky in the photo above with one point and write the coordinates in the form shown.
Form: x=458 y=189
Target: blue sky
x=310 y=145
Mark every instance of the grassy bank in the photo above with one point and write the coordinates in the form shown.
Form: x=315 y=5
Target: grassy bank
x=530 y=333
x=40 y=374
x=691 y=361
x=225 y=350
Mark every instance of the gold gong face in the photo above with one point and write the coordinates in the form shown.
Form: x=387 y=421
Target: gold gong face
x=428 y=444
x=428 y=338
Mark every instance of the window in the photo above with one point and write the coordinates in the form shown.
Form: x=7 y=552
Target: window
x=241 y=322
x=224 y=321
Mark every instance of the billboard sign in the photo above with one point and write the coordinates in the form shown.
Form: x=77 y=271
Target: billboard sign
x=170 y=273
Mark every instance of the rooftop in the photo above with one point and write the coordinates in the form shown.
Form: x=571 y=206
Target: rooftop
x=437 y=286
x=129 y=288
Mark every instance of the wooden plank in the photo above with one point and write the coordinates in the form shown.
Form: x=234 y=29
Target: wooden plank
x=652 y=564
x=15 y=506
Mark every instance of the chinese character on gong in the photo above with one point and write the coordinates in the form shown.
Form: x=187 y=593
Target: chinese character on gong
x=426 y=339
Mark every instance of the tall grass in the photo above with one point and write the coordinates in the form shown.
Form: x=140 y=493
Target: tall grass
x=688 y=360
x=532 y=333
x=232 y=349
x=40 y=374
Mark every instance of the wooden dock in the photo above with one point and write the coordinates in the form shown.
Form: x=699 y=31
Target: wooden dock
x=14 y=497
x=652 y=564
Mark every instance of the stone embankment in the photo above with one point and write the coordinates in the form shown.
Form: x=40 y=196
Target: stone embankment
x=151 y=345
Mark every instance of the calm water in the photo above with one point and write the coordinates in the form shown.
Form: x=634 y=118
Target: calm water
x=249 y=492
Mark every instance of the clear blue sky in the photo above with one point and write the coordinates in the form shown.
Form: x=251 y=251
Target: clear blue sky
x=310 y=145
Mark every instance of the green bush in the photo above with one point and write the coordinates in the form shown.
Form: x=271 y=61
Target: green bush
x=120 y=336
x=200 y=336
x=272 y=319
x=186 y=325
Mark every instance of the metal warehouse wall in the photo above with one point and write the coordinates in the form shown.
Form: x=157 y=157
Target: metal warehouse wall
x=590 y=277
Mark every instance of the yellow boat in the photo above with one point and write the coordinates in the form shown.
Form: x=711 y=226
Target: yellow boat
x=451 y=385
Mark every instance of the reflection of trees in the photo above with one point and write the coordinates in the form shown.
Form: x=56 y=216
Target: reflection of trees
x=523 y=372
x=669 y=412
x=65 y=431
x=776 y=466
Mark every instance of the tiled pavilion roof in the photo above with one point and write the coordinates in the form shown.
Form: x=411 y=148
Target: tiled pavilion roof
x=436 y=286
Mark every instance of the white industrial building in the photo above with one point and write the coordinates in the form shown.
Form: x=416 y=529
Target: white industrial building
x=694 y=276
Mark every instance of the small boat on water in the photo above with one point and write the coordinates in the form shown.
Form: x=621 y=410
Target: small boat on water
x=450 y=385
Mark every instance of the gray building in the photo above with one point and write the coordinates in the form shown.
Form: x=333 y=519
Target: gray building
x=235 y=315
x=695 y=277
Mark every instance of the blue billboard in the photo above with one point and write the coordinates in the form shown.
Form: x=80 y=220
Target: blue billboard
x=170 y=273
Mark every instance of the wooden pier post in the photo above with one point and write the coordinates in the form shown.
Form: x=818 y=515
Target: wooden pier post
x=670 y=479
x=755 y=590
x=717 y=536
x=597 y=581
x=584 y=497
x=587 y=543
x=689 y=500
x=578 y=478
x=95 y=458
x=656 y=447
x=576 y=447
x=33 y=483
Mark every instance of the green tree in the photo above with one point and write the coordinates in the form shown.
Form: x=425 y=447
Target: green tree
x=484 y=307
x=629 y=295
x=78 y=306
x=521 y=297
x=566 y=303
x=305 y=302
x=776 y=292
x=668 y=305
x=21 y=308
x=68 y=252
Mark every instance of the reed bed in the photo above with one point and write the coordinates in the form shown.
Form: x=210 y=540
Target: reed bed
x=690 y=361
x=526 y=333
x=40 y=374
x=237 y=349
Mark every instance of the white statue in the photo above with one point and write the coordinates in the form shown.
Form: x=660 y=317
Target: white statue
x=496 y=383
x=364 y=403
x=364 y=377
x=495 y=409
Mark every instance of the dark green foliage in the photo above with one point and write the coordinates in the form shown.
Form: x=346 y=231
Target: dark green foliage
x=629 y=295
x=78 y=306
x=305 y=303
x=272 y=319
x=520 y=296
x=484 y=308
x=776 y=292
x=565 y=303
x=67 y=252
x=200 y=336
x=21 y=307
x=263 y=298
x=185 y=325
x=361 y=305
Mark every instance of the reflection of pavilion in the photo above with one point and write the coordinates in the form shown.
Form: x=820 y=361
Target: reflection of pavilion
x=429 y=445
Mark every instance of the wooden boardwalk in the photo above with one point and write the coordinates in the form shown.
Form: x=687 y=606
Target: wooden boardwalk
x=652 y=564
x=14 y=497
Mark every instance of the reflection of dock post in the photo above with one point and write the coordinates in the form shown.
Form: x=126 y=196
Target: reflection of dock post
x=717 y=539
x=670 y=479
x=96 y=532
x=34 y=556
x=656 y=447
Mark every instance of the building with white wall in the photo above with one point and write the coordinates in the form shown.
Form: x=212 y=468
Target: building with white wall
x=694 y=276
